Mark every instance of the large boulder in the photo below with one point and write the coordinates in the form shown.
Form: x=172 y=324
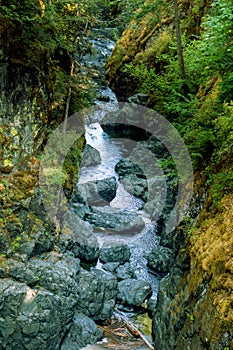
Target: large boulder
x=133 y=178
x=132 y=292
x=140 y=99
x=91 y=156
x=113 y=251
x=126 y=167
x=98 y=192
x=32 y=319
x=78 y=237
x=160 y=259
x=55 y=272
x=124 y=272
x=115 y=222
x=83 y=331
x=96 y=294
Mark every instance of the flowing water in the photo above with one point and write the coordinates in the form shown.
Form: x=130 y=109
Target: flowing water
x=111 y=151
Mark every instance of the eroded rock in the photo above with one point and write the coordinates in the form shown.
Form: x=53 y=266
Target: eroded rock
x=83 y=331
x=96 y=295
x=114 y=252
x=132 y=292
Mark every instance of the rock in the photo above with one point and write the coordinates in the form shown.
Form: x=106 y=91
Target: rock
x=133 y=292
x=114 y=252
x=32 y=319
x=27 y=235
x=91 y=156
x=140 y=99
x=136 y=186
x=104 y=98
x=83 y=331
x=111 y=266
x=124 y=272
x=160 y=259
x=115 y=222
x=133 y=178
x=126 y=167
x=152 y=303
x=98 y=192
x=78 y=238
x=55 y=272
x=96 y=294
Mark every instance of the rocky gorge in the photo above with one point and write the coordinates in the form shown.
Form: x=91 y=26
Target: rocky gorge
x=58 y=284
x=114 y=250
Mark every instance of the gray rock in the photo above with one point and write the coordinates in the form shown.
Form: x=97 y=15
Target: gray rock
x=55 y=272
x=133 y=292
x=91 y=156
x=111 y=266
x=140 y=99
x=136 y=186
x=114 y=252
x=78 y=238
x=160 y=259
x=28 y=235
x=98 y=192
x=126 y=167
x=124 y=272
x=32 y=319
x=118 y=222
x=96 y=294
x=83 y=331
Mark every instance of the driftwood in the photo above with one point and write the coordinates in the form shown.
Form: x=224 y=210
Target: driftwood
x=132 y=328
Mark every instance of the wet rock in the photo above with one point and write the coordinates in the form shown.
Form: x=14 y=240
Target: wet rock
x=78 y=237
x=83 y=331
x=160 y=259
x=96 y=294
x=111 y=266
x=114 y=252
x=140 y=99
x=98 y=192
x=133 y=178
x=55 y=272
x=136 y=186
x=33 y=319
x=133 y=292
x=152 y=306
x=91 y=156
x=118 y=222
x=104 y=98
x=124 y=272
x=126 y=167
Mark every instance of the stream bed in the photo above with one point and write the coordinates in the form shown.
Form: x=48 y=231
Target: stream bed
x=111 y=151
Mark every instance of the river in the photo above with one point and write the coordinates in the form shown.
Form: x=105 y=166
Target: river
x=111 y=151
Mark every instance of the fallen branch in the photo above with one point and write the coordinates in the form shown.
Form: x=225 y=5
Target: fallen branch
x=132 y=328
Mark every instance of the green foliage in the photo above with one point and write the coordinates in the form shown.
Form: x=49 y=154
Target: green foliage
x=221 y=183
x=204 y=115
x=224 y=129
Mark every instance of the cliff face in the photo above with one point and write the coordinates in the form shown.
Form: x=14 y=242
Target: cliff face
x=31 y=105
x=146 y=40
x=195 y=301
x=194 y=309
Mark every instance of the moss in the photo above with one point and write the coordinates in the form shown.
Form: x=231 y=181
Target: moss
x=72 y=165
x=154 y=50
x=215 y=240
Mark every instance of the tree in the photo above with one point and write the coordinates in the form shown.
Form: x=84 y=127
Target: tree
x=179 y=41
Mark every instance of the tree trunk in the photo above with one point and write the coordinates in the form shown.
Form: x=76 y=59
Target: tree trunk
x=179 y=41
